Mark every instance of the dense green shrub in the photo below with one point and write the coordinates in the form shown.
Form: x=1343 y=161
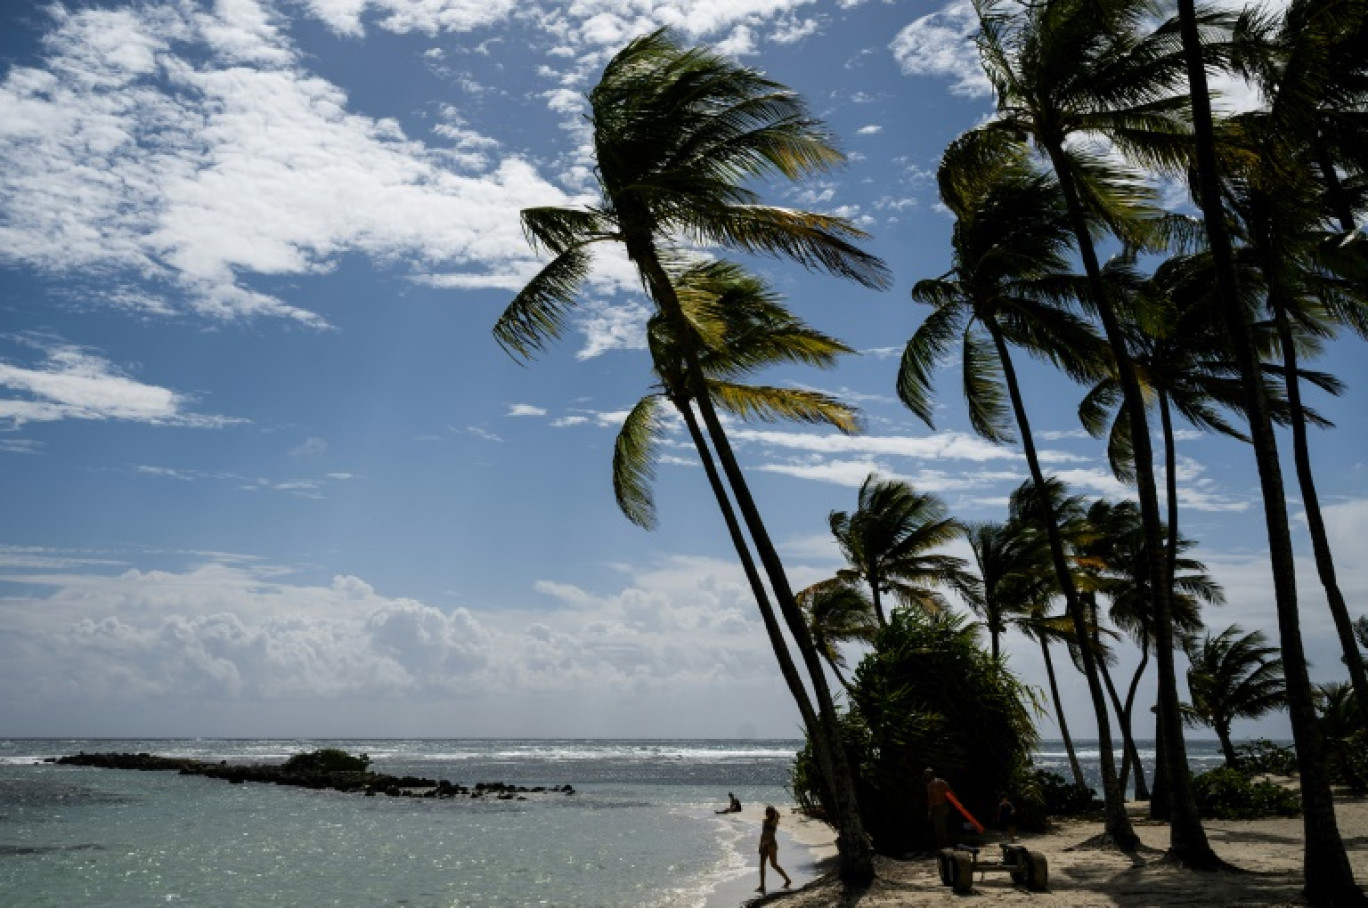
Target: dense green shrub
x=1262 y=756
x=1060 y=797
x=1229 y=794
x=329 y=759
x=929 y=695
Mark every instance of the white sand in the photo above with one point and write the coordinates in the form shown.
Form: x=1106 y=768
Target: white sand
x=1268 y=852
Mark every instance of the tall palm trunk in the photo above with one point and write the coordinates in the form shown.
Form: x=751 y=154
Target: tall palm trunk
x=1074 y=765
x=1130 y=755
x=1187 y=840
x=757 y=585
x=1329 y=878
x=853 y=845
x=1315 y=523
x=1118 y=824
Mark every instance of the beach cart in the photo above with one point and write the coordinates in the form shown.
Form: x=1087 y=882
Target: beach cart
x=959 y=864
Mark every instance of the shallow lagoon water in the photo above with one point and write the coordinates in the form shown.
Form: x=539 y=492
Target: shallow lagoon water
x=639 y=831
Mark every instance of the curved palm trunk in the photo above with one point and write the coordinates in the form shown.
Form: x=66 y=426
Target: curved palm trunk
x=738 y=538
x=853 y=845
x=1074 y=765
x=1315 y=523
x=1187 y=839
x=1131 y=753
x=1118 y=824
x=1142 y=791
x=1329 y=878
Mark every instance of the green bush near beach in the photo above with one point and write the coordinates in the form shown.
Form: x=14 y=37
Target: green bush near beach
x=1261 y=756
x=930 y=695
x=1229 y=794
x=329 y=759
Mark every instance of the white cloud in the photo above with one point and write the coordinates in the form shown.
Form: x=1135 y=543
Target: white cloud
x=525 y=410
x=192 y=150
x=938 y=44
x=608 y=326
x=426 y=16
x=234 y=630
x=73 y=383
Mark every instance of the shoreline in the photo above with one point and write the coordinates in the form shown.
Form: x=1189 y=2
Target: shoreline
x=1267 y=854
x=807 y=849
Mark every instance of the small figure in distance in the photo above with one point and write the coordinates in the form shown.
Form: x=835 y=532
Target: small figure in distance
x=769 y=847
x=733 y=805
x=1006 y=816
x=937 y=806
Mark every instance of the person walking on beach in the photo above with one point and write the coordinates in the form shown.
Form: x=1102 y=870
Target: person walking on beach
x=1006 y=816
x=769 y=847
x=937 y=806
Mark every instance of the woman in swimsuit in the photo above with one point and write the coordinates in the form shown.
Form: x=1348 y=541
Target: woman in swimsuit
x=769 y=847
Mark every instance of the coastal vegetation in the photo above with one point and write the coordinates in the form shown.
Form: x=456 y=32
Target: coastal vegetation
x=1062 y=251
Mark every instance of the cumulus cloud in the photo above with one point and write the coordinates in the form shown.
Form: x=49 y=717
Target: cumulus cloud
x=89 y=629
x=938 y=45
x=193 y=151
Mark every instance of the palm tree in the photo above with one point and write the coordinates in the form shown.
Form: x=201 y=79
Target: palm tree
x=1008 y=559
x=1012 y=232
x=1232 y=676
x=1283 y=225
x=1329 y=877
x=678 y=134
x=1112 y=557
x=1039 y=586
x=739 y=326
x=1061 y=68
x=888 y=542
x=838 y=613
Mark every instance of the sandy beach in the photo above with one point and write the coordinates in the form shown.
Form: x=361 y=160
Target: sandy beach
x=1267 y=854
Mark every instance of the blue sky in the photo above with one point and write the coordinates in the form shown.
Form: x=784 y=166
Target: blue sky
x=265 y=471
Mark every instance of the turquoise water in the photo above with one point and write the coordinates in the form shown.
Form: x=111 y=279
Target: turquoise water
x=640 y=830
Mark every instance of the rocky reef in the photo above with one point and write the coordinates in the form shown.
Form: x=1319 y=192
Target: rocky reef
x=364 y=782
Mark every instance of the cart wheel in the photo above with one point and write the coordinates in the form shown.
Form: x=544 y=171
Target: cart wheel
x=1038 y=871
x=963 y=872
x=946 y=870
x=1019 y=876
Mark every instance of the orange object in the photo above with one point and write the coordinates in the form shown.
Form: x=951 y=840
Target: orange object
x=954 y=802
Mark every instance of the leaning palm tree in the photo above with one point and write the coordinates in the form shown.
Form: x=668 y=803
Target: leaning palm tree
x=1232 y=676
x=889 y=541
x=1062 y=69
x=738 y=325
x=1329 y=877
x=678 y=134
x=1011 y=237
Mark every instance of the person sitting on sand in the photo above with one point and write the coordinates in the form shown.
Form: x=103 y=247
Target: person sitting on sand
x=733 y=805
x=769 y=847
x=937 y=806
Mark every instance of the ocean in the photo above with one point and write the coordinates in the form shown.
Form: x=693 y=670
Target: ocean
x=640 y=829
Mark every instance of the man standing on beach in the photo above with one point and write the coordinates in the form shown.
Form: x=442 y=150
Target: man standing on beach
x=937 y=806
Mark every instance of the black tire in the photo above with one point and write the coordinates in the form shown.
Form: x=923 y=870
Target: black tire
x=963 y=872
x=1038 y=871
x=943 y=865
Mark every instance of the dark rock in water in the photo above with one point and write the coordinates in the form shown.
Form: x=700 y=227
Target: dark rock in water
x=368 y=783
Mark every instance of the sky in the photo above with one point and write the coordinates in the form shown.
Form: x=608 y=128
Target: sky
x=265 y=472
